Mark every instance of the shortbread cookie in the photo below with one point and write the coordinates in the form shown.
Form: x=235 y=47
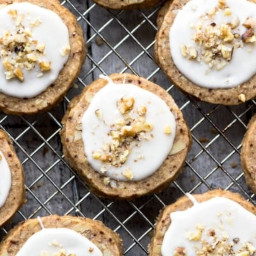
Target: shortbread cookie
x=61 y=236
x=41 y=53
x=248 y=154
x=12 y=192
x=127 y=4
x=201 y=44
x=125 y=136
x=214 y=223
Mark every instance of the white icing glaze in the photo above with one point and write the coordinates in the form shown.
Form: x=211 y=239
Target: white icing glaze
x=51 y=31
x=243 y=64
x=221 y=214
x=52 y=240
x=5 y=181
x=153 y=151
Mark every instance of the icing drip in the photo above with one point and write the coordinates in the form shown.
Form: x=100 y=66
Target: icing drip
x=218 y=226
x=34 y=46
x=5 y=181
x=58 y=242
x=210 y=39
x=120 y=132
x=192 y=199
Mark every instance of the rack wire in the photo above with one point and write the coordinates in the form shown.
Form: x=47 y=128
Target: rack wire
x=122 y=41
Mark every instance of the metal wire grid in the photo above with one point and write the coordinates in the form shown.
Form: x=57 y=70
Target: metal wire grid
x=121 y=41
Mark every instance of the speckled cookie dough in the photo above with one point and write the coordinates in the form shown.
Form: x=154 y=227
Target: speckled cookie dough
x=16 y=195
x=107 y=241
x=30 y=55
x=127 y=187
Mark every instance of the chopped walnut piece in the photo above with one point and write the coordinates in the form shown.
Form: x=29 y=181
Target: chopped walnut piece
x=222 y=4
x=235 y=22
x=249 y=23
x=106 y=180
x=242 y=97
x=227 y=12
x=96 y=155
x=18 y=73
x=196 y=235
x=226 y=33
x=180 y=251
x=250 y=248
x=247 y=34
x=192 y=53
x=7 y=65
x=142 y=110
x=183 y=49
x=13 y=13
x=128 y=174
x=98 y=114
x=65 y=50
x=91 y=249
x=125 y=104
x=226 y=52
x=168 y=129
x=45 y=66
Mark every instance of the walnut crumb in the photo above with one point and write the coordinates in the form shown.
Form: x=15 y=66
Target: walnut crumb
x=19 y=52
x=128 y=174
x=242 y=97
x=168 y=129
x=106 y=180
x=45 y=66
x=65 y=50
x=180 y=251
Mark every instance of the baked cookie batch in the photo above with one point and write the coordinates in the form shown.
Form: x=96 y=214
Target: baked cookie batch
x=125 y=136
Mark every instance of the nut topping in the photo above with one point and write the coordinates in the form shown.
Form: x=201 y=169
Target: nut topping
x=19 y=51
x=214 y=43
x=125 y=134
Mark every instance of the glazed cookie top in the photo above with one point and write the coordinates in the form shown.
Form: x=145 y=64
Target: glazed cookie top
x=127 y=132
x=212 y=42
x=58 y=242
x=212 y=227
x=6 y=179
x=34 y=46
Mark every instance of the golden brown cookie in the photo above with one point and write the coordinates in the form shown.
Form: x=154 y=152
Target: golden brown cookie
x=56 y=90
x=104 y=238
x=164 y=221
x=248 y=154
x=226 y=96
x=16 y=196
x=73 y=146
x=126 y=4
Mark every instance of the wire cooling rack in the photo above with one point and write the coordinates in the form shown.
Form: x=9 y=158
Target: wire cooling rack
x=122 y=41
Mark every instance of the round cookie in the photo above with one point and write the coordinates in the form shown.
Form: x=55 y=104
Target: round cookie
x=248 y=154
x=39 y=62
x=227 y=96
x=16 y=196
x=211 y=231
x=99 y=183
x=127 y=4
x=100 y=239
